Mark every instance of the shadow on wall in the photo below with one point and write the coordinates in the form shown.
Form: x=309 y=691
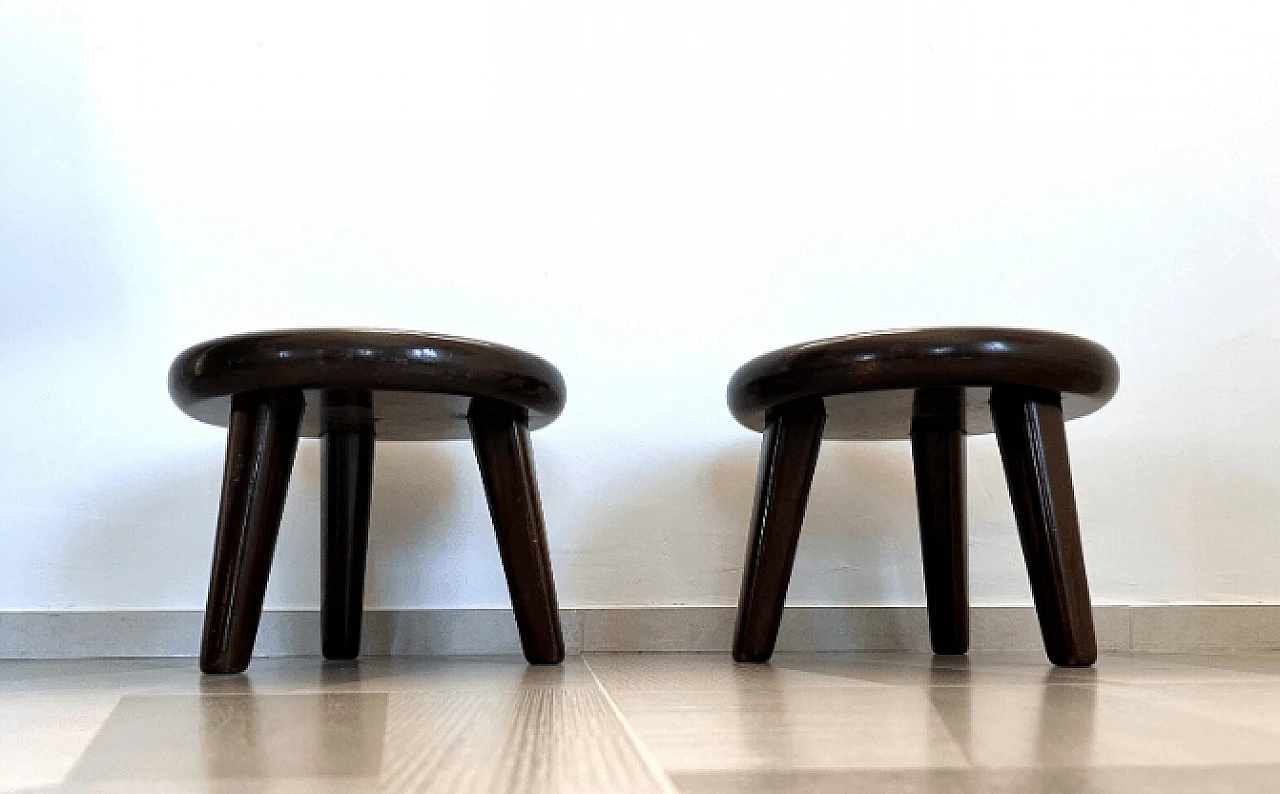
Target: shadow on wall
x=413 y=521
x=678 y=536
x=1197 y=514
x=861 y=536
x=167 y=517
x=645 y=533
x=859 y=528
x=164 y=516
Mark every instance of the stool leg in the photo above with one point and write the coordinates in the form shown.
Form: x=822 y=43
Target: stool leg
x=347 y=460
x=788 y=456
x=1033 y=444
x=261 y=441
x=501 y=438
x=937 y=449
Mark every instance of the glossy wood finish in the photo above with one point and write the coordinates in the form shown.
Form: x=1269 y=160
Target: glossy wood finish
x=788 y=457
x=937 y=449
x=868 y=381
x=500 y=434
x=346 y=491
x=1033 y=443
x=261 y=441
x=422 y=384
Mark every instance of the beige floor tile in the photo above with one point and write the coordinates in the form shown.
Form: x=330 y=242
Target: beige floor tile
x=304 y=785
x=853 y=727
x=438 y=725
x=1194 y=780
x=681 y=672
x=1247 y=705
x=120 y=676
x=820 y=670
x=841 y=711
x=393 y=674
x=1000 y=722
x=42 y=735
x=1076 y=726
x=529 y=740
x=284 y=675
x=1010 y=668
x=219 y=737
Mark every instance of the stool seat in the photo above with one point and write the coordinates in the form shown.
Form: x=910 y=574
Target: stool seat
x=421 y=384
x=869 y=382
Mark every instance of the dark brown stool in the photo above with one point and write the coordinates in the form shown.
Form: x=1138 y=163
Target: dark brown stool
x=349 y=387
x=934 y=386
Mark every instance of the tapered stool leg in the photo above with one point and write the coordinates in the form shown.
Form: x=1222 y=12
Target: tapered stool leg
x=261 y=441
x=500 y=434
x=788 y=456
x=347 y=461
x=937 y=449
x=1033 y=444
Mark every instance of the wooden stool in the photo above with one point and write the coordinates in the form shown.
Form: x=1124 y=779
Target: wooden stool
x=349 y=387
x=934 y=386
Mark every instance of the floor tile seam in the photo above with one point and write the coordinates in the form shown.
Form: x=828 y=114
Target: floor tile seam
x=983 y=768
x=66 y=777
x=1233 y=682
x=773 y=769
x=1125 y=766
x=435 y=688
x=74 y=698
x=1226 y=684
x=646 y=756
x=879 y=689
x=838 y=769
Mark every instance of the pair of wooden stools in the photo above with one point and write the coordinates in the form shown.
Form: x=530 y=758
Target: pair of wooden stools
x=350 y=387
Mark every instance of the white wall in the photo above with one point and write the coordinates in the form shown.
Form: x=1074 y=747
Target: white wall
x=647 y=195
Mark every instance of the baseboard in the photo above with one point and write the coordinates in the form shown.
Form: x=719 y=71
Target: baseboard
x=424 y=632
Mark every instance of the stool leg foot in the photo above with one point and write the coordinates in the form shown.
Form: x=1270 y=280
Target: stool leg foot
x=788 y=456
x=1033 y=444
x=347 y=462
x=261 y=441
x=937 y=449
x=501 y=438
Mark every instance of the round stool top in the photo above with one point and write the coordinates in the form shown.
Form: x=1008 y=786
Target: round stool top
x=868 y=382
x=420 y=385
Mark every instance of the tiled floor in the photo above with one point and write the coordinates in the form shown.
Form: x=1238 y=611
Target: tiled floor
x=645 y=723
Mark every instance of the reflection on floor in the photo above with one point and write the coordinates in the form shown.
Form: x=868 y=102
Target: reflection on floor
x=645 y=722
